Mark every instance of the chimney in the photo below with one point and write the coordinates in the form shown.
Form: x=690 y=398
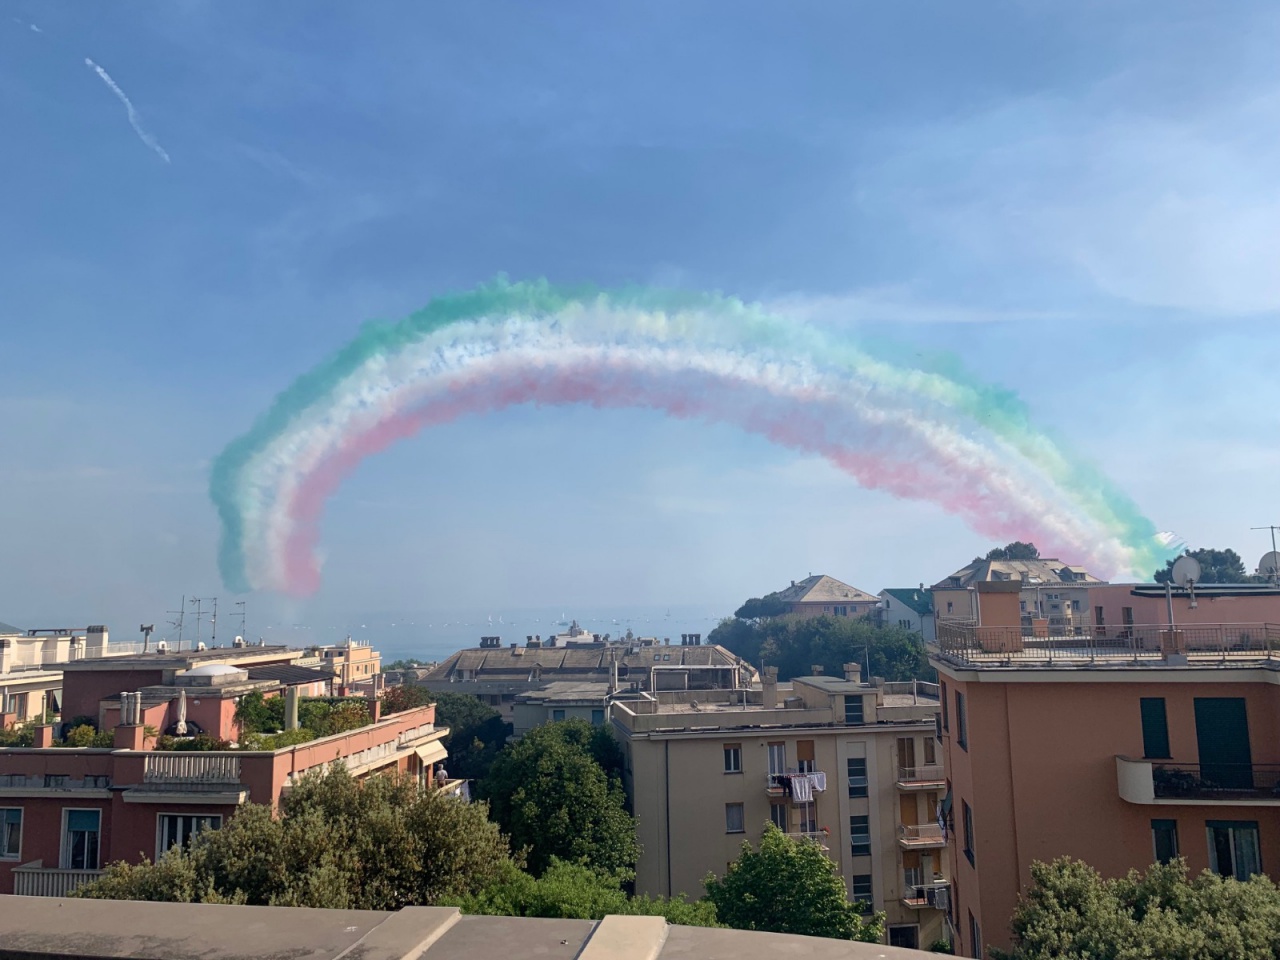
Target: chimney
x=291 y=708
x=816 y=670
x=613 y=675
x=769 y=687
x=43 y=736
x=130 y=737
x=853 y=673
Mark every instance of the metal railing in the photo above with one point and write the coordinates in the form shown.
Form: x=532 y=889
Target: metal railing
x=820 y=837
x=191 y=768
x=925 y=773
x=781 y=785
x=920 y=833
x=33 y=880
x=974 y=644
x=1216 y=781
x=936 y=894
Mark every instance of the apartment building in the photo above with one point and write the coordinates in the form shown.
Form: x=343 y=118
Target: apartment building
x=823 y=596
x=66 y=812
x=1053 y=596
x=1115 y=747
x=31 y=667
x=910 y=608
x=848 y=764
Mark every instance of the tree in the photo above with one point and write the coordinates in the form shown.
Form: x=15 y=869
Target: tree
x=406 y=696
x=1071 y=911
x=554 y=799
x=762 y=608
x=379 y=844
x=574 y=891
x=1018 y=550
x=1216 y=566
x=477 y=732
x=788 y=886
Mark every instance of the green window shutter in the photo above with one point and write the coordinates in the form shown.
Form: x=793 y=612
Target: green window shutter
x=1155 y=728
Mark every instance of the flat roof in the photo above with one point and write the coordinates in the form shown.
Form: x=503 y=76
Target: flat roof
x=178 y=658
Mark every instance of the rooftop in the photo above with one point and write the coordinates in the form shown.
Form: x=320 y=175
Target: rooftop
x=81 y=929
x=823 y=589
x=585 y=662
x=181 y=660
x=918 y=600
x=1045 y=570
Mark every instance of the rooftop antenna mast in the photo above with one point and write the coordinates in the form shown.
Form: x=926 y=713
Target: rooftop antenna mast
x=240 y=613
x=178 y=616
x=1269 y=565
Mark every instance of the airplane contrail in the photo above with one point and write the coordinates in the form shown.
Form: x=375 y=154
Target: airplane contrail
x=134 y=120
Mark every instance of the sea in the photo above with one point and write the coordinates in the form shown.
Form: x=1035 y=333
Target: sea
x=429 y=636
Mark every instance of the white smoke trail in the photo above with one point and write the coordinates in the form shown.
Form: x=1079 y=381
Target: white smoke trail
x=134 y=120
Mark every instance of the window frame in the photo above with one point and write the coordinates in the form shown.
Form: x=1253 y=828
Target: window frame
x=557 y=715
x=161 y=850
x=860 y=713
x=861 y=881
x=65 y=842
x=785 y=825
x=962 y=722
x=4 y=821
x=966 y=813
x=1170 y=828
x=597 y=712
x=1234 y=826
x=850 y=777
x=734 y=751
x=742 y=817
x=856 y=848
x=946 y=715
x=1151 y=736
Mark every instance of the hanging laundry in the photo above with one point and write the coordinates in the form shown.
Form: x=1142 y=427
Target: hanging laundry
x=802 y=788
x=819 y=781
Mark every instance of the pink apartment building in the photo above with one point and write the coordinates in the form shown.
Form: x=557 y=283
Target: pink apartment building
x=67 y=812
x=1127 y=741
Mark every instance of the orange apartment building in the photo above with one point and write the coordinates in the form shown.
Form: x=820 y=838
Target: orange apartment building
x=66 y=812
x=1118 y=745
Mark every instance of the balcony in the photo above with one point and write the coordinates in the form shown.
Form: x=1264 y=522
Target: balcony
x=797 y=787
x=1148 y=782
x=927 y=896
x=1081 y=644
x=820 y=837
x=927 y=777
x=921 y=836
x=33 y=880
x=187 y=769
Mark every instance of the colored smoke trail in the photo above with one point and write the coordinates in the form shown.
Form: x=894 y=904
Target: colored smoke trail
x=913 y=433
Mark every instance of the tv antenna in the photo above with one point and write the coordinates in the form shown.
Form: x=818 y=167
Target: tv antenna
x=240 y=612
x=178 y=616
x=1273 y=574
x=198 y=601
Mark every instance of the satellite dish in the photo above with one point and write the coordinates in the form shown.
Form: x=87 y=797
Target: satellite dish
x=1269 y=565
x=1186 y=570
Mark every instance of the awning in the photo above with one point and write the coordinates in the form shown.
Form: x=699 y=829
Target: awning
x=432 y=752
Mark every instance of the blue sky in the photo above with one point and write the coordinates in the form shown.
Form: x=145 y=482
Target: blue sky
x=1081 y=201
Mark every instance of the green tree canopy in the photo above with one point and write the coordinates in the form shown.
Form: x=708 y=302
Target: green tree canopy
x=794 y=645
x=557 y=793
x=380 y=844
x=788 y=886
x=1018 y=550
x=1070 y=911
x=761 y=608
x=574 y=891
x=1216 y=566
x=477 y=732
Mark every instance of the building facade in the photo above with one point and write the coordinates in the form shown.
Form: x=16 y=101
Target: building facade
x=823 y=596
x=908 y=608
x=852 y=766
x=1114 y=749
x=1053 y=595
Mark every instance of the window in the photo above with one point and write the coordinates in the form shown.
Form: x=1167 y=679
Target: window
x=946 y=717
x=853 y=709
x=805 y=762
x=860 y=889
x=1075 y=606
x=1155 y=728
x=778 y=816
x=975 y=937
x=733 y=818
x=968 y=830
x=857 y=776
x=962 y=722
x=11 y=833
x=860 y=836
x=97 y=781
x=597 y=718
x=905 y=624
x=177 y=829
x=1164 y=835
x=907 y=935
x=777 y=758
x=950 y=606
x=80 y=831
x=930 y=750
x=1233 y=848
x=733 y=758
x=55 y=780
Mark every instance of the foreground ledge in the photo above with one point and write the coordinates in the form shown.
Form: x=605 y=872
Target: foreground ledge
x=45 y=928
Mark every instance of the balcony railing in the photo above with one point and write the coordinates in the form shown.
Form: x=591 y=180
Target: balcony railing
x=973 y=644
x=33 y=880
x=915 y=836
x=183 y=768
x=1145 y=781
x=926 y=775
x=820 y=837
x=936 y=895
x=787 y=785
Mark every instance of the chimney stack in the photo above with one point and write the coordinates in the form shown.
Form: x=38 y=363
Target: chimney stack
x=816 y=669
x=291 y=708
x=853 y=673
x=769 y=687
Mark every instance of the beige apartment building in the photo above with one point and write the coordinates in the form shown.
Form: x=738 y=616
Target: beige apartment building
x=851 y=765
